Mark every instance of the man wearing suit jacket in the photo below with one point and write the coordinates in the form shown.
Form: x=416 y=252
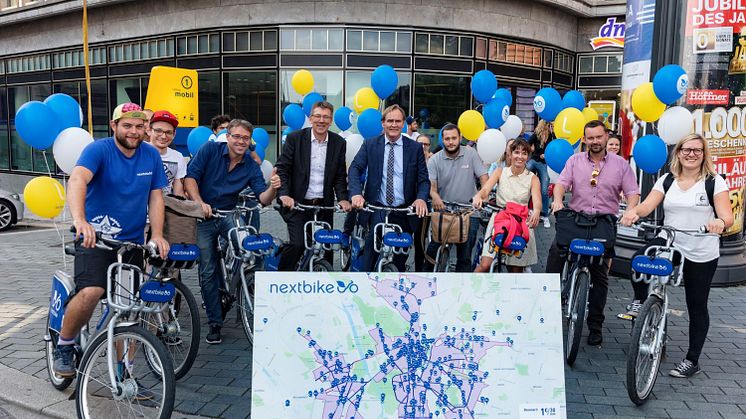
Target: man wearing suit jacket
x=312 y=167
x=397 y=177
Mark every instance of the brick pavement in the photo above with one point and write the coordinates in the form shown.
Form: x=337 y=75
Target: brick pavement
x=219 y=383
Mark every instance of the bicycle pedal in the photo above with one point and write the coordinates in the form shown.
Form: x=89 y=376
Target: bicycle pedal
x=625 y=316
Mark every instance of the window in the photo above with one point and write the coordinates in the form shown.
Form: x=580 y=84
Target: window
x=316 y=39
x=210 y=101
x=20 y=151
x=379 y=41
x=354 y=40
x=4 y=139
x=514 y=53
x=481 y=49
x=439 y=100
x=564 y=62
x=252 y=95
x=29 y=63
x=524 y=107
x=124 y=90
x=600 y=64
x=437 y=44
x=158 y=48
x=2 y=67
x=355 y=80
x=586 y=65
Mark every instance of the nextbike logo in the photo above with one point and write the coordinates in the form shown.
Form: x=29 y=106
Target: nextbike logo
x=183 y=253
x=586 y=247
x=151 y=291
x=655 y=266
x=317 y=287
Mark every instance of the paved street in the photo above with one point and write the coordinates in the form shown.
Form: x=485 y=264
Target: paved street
x=219 y=383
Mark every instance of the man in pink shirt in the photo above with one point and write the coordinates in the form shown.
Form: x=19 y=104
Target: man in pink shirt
x=597 y=180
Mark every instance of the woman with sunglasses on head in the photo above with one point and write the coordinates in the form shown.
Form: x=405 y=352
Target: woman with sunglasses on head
x=686 y=204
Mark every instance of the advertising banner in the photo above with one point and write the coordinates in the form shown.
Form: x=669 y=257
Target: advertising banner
x=392 y=345
x=714 y=56
x=174 y=90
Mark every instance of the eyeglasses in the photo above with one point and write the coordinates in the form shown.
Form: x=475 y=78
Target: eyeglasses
x=594 y=177
x=238 y=137
x=322 y=117
x=158 y=131
x=696 y=151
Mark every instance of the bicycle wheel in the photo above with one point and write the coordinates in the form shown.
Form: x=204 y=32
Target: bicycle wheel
x=322 y=265
x=60 y=383
x=178 y=327
x=645 y=351
x=345 y=257
x=579 y=301
x=444 y=256
x=139 y=392
x=389 y=267
x=246 y=304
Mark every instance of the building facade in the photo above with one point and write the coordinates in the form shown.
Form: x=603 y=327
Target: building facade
x=246 y=51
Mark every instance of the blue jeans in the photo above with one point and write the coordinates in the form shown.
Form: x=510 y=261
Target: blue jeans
x=543 y=173
x=210 y=274
x=463 y=250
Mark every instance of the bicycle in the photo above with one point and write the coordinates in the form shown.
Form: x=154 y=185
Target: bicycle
x=122 y=368
x=177 y=324
x=389 y=239
x=575 y=282
x=239 y=256
x=322 y=239
x=443 y=254
x=648 y=344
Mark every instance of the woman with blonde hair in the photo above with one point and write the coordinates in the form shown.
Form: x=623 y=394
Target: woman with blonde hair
x=686 y=204
x=539 y=140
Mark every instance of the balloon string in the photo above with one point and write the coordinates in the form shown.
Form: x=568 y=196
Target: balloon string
x=54 y=222
x=87 y=67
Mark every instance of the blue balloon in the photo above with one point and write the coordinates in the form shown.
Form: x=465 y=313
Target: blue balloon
x=260 y=151
x=293 y=116
x=343 y=118
x=495 y=112
x=405 y=128
x=650 y=153
x=670 y=83
x=505 y=95
x=197 y=137
x=573 y=99
x=309 y=100
x=369 y=123
x=483 y=85
x=557 y=153
x=37 y=124
x=67 y=109
x=384 y=81
x=261 y=137
x=547 y=103
x=287 y=131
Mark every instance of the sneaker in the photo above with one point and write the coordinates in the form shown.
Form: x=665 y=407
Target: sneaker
x=64 y=361
x=172 y=341
x=547 y=223
x=685 y=369
x=633 y=310
x=143 y=393
x=595 y=338
x=214 y=336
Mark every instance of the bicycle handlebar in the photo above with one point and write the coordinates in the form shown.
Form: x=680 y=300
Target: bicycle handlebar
x=371 y=208
x=700 y=232
x=107 y=243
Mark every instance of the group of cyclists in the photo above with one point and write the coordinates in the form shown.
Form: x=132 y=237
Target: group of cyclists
x=118 y=185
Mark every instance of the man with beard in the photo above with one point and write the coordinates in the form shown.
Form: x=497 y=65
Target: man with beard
x=597 y=179
x=397 y=177
x=215 y=177
x=160 y=134
x=453 y=173
x=114 y=185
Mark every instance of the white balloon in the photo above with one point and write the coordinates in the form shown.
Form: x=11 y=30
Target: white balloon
x=512 y=127
x=266 y=170
x=222 y=138
x=674 y=124
x=354 y=142
x=345 y=133
x=68 y=145
x=491 y=145
x=552 y=175
x=212 y=137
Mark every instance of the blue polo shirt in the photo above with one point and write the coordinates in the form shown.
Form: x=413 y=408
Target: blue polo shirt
x=218 y=186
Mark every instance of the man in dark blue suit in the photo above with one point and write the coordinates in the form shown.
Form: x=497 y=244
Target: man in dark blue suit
x=397 y=177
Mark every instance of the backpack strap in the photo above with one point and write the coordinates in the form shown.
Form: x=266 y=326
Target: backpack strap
x=710 y=190
x=667 y=182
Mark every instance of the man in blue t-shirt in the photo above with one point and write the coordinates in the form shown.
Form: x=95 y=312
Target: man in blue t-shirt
x=215 y=177
x=114 y=186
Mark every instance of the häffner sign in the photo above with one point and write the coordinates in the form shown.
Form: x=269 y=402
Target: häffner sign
x=610 y=34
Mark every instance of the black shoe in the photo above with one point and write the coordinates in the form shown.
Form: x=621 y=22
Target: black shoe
x=214 y=336
x=595 y=338
x=685 y=369
x=64 y=361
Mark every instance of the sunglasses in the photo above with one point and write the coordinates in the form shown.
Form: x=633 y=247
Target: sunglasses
x=594 y=177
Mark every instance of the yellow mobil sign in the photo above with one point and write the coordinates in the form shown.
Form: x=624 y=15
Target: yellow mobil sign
x=174 y=90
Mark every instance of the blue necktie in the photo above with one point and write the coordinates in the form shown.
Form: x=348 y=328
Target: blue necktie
x=390 y=175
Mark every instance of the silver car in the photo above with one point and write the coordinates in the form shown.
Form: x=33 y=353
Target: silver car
x=11 y=209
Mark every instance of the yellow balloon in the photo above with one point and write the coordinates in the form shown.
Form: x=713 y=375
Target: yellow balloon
x=44 y=197
x=302 y=82
x=590 y=114
x=569 y=125
x=471 y=124
x=646 y=104
x=365 y=98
